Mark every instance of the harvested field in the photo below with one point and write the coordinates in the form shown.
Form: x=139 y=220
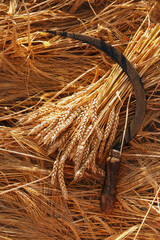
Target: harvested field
x=57 y=98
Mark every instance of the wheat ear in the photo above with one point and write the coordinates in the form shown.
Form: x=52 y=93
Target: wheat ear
x=107 y=131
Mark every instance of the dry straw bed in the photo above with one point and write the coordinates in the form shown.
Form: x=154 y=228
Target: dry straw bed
x=62 y=106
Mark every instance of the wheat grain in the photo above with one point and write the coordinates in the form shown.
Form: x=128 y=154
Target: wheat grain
x=61 y=177
x=91 y=157
x=80 y=149
x=49 y=120
x=94 y=118
x=107 y=131
x=86 y=152
x=79 y=118
x=62 y=127
x=61 y=168
x=94 y=111
x=36 y=114
x=83 y=124
x=54 y=170
x=60 y=143
x=97 y=170
x=43 y=133
x=113 y=133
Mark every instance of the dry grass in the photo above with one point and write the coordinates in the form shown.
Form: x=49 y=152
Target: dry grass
x=60 y=104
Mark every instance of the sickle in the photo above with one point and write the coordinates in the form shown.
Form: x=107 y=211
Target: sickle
x=108 y=194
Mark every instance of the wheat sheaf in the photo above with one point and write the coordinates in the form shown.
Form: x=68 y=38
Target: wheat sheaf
x=82 y=127
x=71 y=126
